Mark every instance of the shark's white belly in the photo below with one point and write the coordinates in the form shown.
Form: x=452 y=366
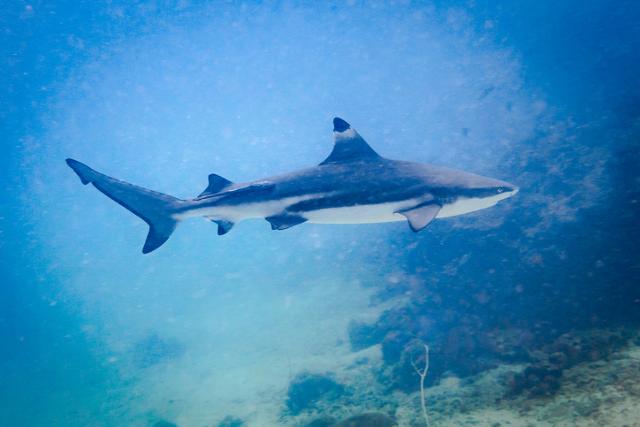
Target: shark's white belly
x=360 y=214
x=387 y=212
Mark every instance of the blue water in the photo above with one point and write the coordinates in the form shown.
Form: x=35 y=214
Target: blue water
x=542 y=94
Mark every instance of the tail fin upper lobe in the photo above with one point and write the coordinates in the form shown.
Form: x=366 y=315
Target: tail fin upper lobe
x=156 y=209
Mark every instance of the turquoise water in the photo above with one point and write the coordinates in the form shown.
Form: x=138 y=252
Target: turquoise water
x=530 y=308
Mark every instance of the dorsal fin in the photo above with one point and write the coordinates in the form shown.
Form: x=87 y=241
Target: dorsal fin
x=348 y=145
x=216 y=185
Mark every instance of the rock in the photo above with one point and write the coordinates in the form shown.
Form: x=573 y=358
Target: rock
x=536 y=381
x=368 y=420
x=230 y=421
x=306 y=390
x=322 y=422
x=393 y=345
x=362 y=335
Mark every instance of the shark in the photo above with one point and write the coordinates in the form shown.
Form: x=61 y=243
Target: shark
x=353 y=185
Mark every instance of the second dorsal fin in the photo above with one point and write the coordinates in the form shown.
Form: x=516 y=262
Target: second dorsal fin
x=216 y=185
x=348 y=145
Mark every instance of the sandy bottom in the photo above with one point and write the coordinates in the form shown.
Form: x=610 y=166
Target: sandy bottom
x=249 y=356
x=602 y=393
x=252 y=350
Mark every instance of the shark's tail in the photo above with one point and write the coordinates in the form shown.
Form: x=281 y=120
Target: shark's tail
x=156 y=209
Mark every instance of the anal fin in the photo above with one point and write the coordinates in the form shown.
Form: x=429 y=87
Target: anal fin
x=421 y=216
x=284 y=221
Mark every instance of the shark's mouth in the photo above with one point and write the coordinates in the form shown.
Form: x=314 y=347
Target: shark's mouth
x=464 y=205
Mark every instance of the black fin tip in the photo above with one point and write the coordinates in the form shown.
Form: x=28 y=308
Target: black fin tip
x=340 y=125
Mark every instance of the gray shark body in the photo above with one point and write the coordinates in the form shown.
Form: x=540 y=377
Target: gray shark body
x=354 y=185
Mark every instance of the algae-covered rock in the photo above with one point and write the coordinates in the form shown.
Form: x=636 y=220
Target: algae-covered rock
x=371 y=419
x=307 y=390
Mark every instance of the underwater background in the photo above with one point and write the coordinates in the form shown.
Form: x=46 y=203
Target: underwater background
x=530 y=309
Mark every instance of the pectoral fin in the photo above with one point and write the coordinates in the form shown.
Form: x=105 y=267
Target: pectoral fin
x=284 y=221
x=420 y=216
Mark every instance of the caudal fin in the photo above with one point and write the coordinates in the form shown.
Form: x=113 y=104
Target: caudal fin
x=156 y=209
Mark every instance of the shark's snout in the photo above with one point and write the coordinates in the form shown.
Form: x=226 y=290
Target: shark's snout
x=492 y=191
x=505 y=190
x=511 y=189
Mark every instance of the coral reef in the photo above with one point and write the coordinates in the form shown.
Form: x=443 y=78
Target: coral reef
x=452 y=339
x=466 y=344
x=543 y=376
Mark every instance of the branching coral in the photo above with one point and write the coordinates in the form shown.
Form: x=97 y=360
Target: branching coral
x=423 y=374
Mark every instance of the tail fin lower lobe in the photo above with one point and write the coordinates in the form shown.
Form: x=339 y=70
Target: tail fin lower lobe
x=156 y=209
